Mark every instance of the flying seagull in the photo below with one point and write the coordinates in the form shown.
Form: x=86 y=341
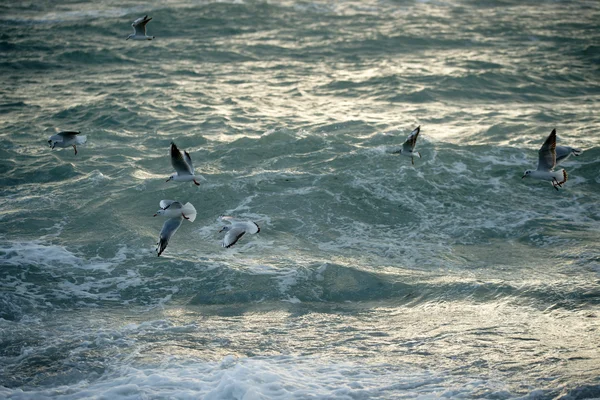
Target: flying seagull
x=139 y=29
x=65 y=139
x=408 y=148
x=546 y=163
x=176 y=213
x=236 y=230
x=172 y=209
x=182 y=164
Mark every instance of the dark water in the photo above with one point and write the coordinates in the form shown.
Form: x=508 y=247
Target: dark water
x=371 y=277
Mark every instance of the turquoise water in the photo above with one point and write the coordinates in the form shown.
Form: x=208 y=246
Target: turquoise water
x=371 y=278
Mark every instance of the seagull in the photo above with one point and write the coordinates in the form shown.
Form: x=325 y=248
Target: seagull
x=546 y=163
x=139 y=29
x=172 y=209
x=408 y=148
x=176 y=213
x=182 y=165
x=236 y=230
x=564 y=152
x=65 y=139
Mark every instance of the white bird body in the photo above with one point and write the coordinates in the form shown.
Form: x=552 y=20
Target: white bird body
x=139 y=29
x=183 y=166
x=547 y=162
x=551 y=176
x=236 y=230
x=66 y=139
x=408 y=147
x=173 y=209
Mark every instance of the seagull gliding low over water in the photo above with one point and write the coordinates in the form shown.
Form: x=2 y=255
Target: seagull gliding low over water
x=236 y=230
x=65 y=139
x=176 y=213
x=546 y=163
x=408 y=148
x=182 y=164
x=139 y=29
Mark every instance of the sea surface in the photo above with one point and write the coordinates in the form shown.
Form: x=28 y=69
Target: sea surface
x=371 y=277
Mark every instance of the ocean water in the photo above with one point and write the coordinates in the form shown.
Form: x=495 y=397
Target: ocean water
x=371 y=278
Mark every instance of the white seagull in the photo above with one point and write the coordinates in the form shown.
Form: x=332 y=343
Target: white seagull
x=183 y=166
x=176 y=213
x=65 y=139
x=236 y=230
x=139 y=29
x=408 y=148
x=546 y=163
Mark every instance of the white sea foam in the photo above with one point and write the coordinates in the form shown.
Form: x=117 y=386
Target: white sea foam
x=279 y=377
x=43 y=259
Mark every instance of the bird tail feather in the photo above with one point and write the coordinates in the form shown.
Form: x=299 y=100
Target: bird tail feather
x=189 y=211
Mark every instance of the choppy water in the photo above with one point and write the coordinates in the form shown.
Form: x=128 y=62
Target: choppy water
x=370 y=278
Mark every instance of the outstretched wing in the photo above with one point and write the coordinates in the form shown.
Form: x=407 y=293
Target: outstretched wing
x=169 y=228
x=411 y=141
x=564 y=152
x=139 y=25
x=252 y=227
x=233 y=235
x=227 y=218
x=188 y=160
x=178 y=162
x=64 y=136
x=172 y=204
x=547 y=153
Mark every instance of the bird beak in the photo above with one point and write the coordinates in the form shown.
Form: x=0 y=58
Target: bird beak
x=155 y=215
x=523 y=176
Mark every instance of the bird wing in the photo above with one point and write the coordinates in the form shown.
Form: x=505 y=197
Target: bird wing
x=139 y=25
x=64 y=136
x=233 y=235
x=57 y=138
x=411 y=141
x=168 y=229
x=188 y=160
x=547 y=153
x=172 y=204
x=252 y=227
x=564 y=152
x=227 y=218
x=178 y=162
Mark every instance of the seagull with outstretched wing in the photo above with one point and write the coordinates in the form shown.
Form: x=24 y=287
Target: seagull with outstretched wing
x=139 y=29
x=408 y=147
x=546 y=163
x=236 y=230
